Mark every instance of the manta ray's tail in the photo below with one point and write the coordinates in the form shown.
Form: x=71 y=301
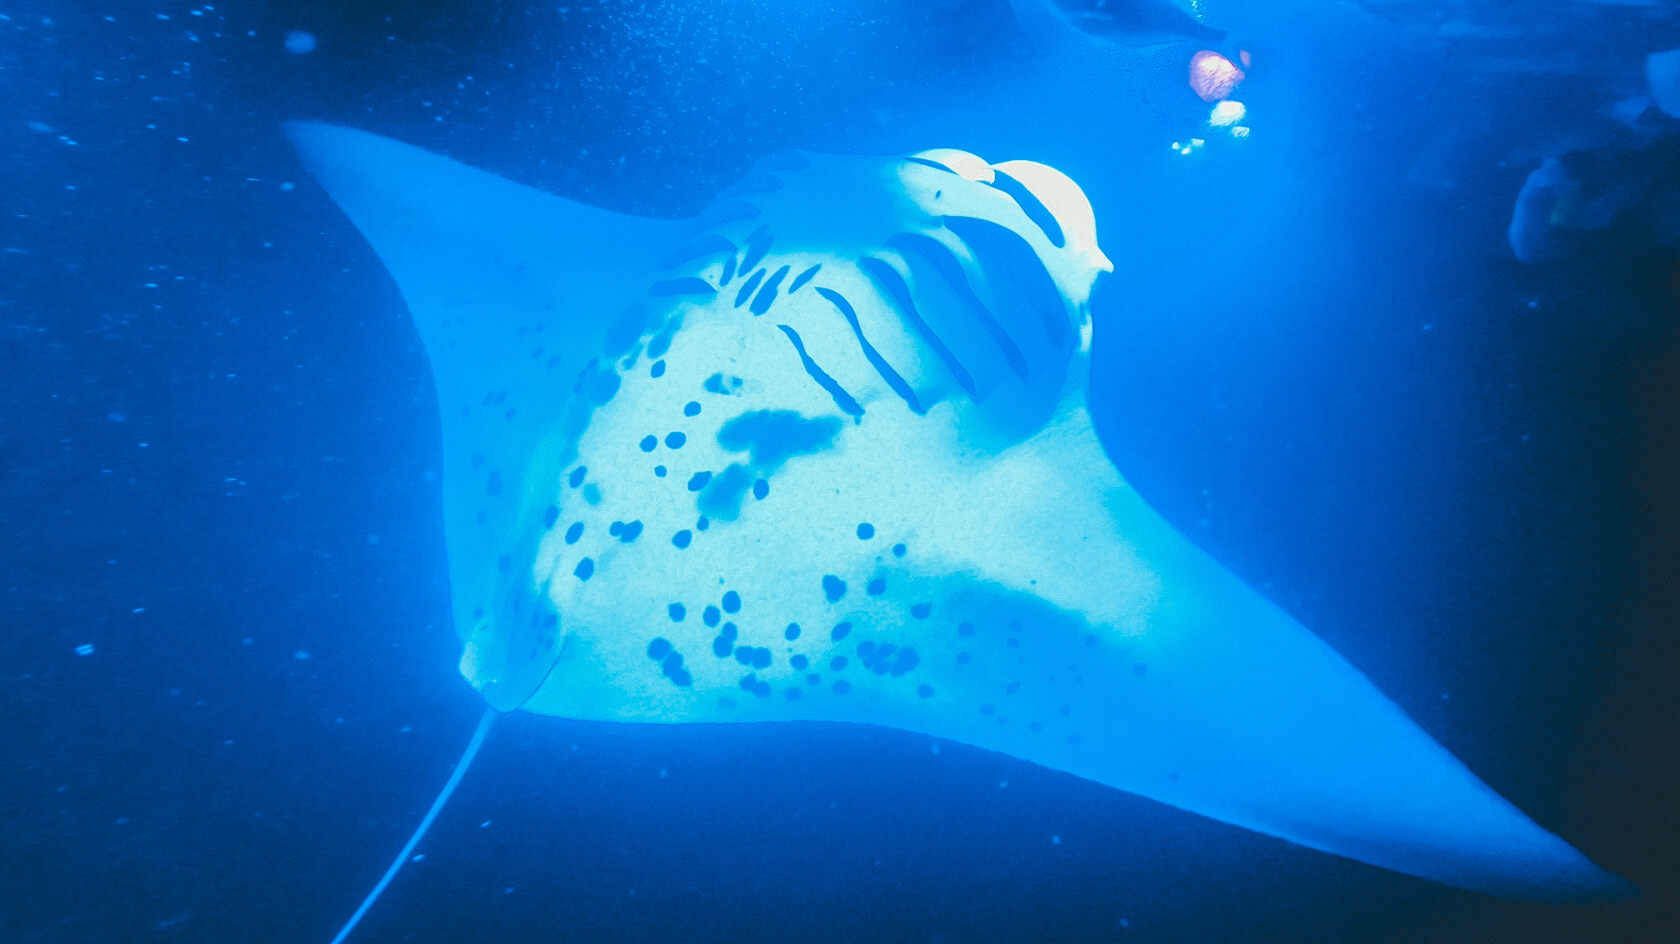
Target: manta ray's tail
x=425 y=824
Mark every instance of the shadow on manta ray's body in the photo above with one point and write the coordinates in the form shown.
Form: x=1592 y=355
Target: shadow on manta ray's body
x=824 y=453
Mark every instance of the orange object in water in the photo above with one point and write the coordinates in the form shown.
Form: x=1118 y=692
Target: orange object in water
x=1213 y=76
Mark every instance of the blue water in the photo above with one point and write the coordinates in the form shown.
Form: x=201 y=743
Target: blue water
x=219 y=461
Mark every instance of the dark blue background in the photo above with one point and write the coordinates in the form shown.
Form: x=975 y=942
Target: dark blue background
x=218 y=450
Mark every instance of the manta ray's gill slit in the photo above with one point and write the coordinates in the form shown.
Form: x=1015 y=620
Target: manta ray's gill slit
x=1005 y=254
x=748 y=286
x=892 y=283
x=767 y=295
x=1031 y=206
x=754 y=183
x=687 y=285
x=726 y=212
x=698 y=248
x=842 y=399
x=945 y=262
x=728 y=271
x=892 y=377
x=803 y=277
x=758 y=244
x=928 y=163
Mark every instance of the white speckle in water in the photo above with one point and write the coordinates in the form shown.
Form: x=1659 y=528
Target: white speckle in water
x=302 y=655
x=416 y=858
x=663 y=773
x=1003 y=784
x=1055 y=840
x=85 y=649
x=299 y=42
x=484 y=825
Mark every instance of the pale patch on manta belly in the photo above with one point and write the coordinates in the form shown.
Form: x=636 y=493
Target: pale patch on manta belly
x=825 y=454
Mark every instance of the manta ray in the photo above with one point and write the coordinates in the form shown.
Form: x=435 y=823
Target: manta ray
x=825 y=453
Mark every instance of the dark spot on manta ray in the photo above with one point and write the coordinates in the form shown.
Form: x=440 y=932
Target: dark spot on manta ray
x=585 y=569
x=965 y=630
x=657 y=370
x=702 y=524
x=799 y=663
x=865 y=531
x=710 y=615
x=833 y=588
x=921 y=610
x=574 y=532
x=724 y=644
x=722 y=498
x=924 y=691
x=675 y=440
x=691 y=408
x=838 y=663
x=551 y=514
x=771 y=437
x=658 y=648
x=649 y=443
x=682 y=538
x=731 y=602
x=576 y=477
x=614 y=528
x=898 y=550
x=792 y=632
x=840 y=631
x=714 y=384
x=761 y=489
x=659 y=471
x=677 y=611
x=630 y=532
x=698 y=481
x=493 y=483
x=876 y=587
